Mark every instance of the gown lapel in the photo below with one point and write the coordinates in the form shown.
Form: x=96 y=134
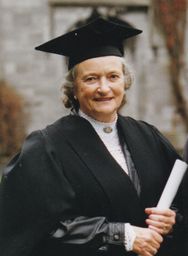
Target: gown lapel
x=116 y=184
x=147 y=159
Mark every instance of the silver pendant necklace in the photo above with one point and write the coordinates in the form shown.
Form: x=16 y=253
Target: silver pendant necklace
x=107 y=129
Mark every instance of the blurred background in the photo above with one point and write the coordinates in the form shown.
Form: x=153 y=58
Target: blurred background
x=30 y=81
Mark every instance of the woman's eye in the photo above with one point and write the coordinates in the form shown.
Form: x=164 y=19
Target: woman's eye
x=114 y=77
x=91 y=79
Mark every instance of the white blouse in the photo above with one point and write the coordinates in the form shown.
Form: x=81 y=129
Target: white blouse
x=109 y=135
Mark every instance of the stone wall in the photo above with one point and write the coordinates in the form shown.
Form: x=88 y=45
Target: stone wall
x=25 y=24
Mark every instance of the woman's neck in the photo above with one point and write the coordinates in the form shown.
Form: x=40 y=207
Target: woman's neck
x=98 y=120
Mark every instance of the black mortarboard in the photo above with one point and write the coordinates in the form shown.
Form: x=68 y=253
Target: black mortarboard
x=101 y=37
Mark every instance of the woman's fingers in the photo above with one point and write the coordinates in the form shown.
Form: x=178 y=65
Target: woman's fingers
x=160 y=230
x=147 y=241
x=161 y=221
x=166 y=212
x=163 y=228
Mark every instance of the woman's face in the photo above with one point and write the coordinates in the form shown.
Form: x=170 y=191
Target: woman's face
x=99 y=87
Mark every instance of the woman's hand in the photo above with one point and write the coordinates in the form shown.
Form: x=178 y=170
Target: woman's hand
x=147 y=241
x=161 y=221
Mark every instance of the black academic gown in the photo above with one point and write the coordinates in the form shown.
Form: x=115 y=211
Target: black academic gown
x=185 y=196
x=65 y=179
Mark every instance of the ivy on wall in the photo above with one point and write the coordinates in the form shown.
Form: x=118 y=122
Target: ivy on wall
x=12 y=121
x=170 y=16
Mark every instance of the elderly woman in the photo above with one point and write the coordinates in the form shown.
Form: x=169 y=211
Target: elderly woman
x=88 y=184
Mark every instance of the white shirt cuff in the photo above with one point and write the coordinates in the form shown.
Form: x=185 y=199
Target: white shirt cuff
x=129 y=237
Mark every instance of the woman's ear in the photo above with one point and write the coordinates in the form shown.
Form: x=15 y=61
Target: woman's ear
x=75 y=91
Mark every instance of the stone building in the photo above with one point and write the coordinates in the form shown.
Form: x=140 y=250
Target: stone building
x=25 y=24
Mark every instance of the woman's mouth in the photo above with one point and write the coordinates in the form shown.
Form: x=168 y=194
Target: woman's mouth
x=103 y=99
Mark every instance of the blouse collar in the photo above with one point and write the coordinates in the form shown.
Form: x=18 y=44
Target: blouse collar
x=100 y=126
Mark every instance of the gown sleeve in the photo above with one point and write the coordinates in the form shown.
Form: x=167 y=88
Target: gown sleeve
x=185 y=196
x=36 y=199
x=185 y=153
x=168 y=150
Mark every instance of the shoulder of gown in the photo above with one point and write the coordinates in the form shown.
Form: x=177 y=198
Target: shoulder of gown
x=152 y=132
x=34 y=196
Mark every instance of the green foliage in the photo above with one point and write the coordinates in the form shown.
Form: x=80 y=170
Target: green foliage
x=12 y=121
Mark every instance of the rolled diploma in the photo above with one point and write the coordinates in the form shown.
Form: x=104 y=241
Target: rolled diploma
x=172 y=184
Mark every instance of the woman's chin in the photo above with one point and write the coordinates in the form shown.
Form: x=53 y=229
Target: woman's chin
x=106 y=115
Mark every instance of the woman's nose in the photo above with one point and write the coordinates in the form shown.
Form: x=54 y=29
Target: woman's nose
x=104 y=86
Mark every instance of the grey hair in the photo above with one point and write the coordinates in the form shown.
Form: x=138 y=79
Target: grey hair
x=67 y=88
